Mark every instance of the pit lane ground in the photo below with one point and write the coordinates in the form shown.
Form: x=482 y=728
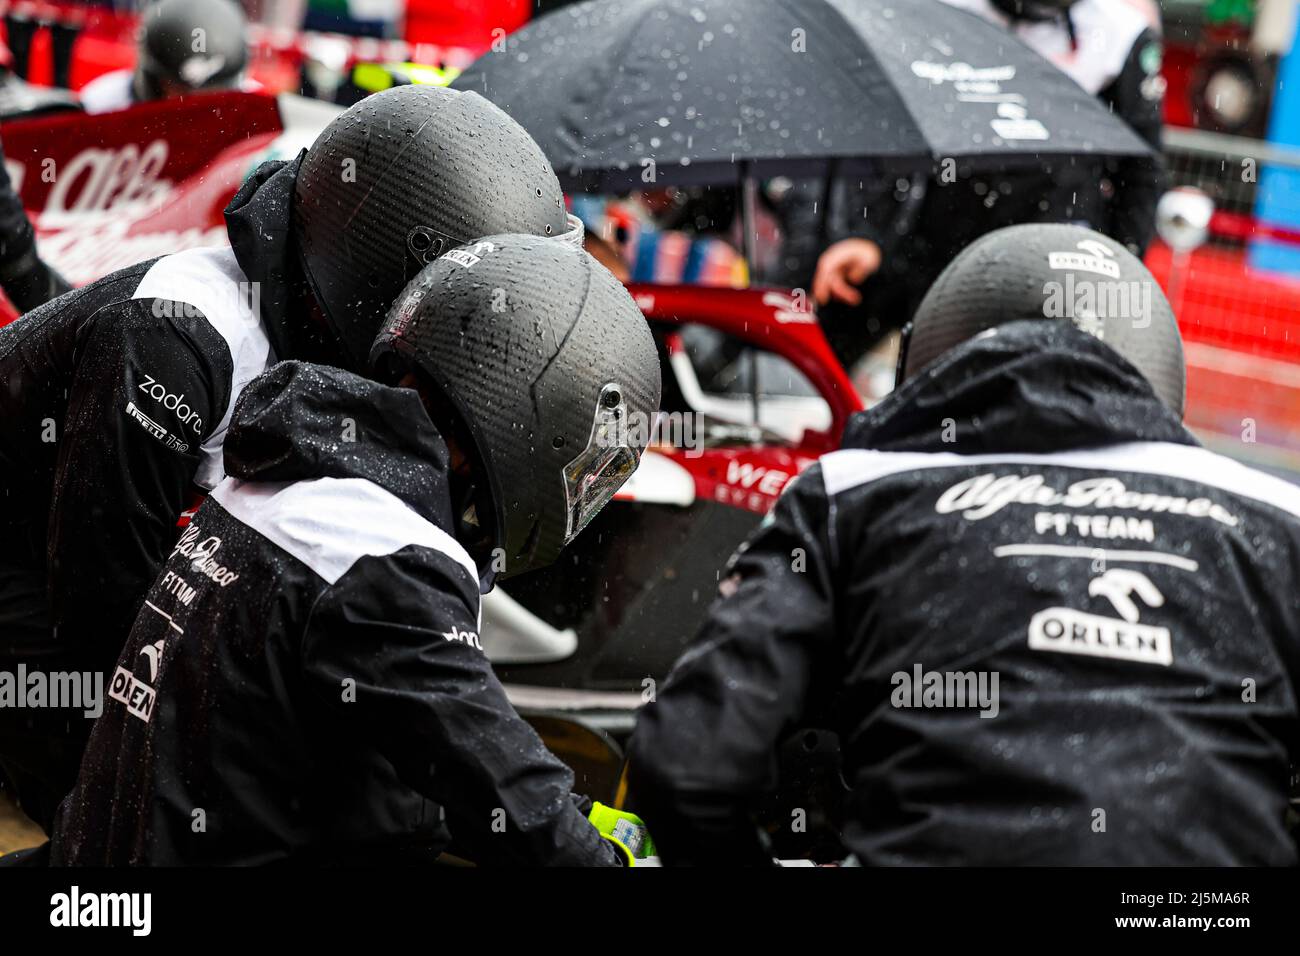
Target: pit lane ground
x=16 y=831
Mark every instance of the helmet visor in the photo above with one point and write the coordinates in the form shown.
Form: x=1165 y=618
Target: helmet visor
x=593 y=477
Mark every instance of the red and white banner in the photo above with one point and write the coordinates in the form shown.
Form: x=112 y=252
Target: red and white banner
x=108 y=191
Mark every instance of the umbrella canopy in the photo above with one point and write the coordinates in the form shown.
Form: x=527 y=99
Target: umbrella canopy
x=622 y=93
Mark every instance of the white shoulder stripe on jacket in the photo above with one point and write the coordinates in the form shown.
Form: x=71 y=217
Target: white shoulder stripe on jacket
x=211 y=281
x=330 y=523
x=851 y=467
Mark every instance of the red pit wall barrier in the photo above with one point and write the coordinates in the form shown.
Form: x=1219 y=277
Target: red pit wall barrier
x=1241 y=332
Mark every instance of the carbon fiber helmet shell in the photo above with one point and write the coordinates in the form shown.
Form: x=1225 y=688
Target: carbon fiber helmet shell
x=199 y=44
x=1033 y=9
x=398 y=179
x=1052 y=272
x=532 y=341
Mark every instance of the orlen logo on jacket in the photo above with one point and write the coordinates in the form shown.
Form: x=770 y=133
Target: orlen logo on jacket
x=173 y=403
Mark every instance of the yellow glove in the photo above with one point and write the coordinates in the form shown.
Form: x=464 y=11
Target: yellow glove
x=625 y=830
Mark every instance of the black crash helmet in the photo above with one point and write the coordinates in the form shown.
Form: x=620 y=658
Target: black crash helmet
x=1051 y=271
x=193 y=44
x=400 y=178
x=552 y=370
x=1034 y=9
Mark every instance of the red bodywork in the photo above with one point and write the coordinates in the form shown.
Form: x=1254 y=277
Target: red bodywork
x=752 y=477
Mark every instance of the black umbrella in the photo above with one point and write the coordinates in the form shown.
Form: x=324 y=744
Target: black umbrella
x=624 y=93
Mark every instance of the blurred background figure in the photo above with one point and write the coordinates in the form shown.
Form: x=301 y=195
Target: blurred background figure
x=672 y=234
x=185 y=46
x=27 y=280
x=19 y=99
x=891 y=237
x=1113 y=49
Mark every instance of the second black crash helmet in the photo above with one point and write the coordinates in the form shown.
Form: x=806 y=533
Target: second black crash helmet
x=400 y=178
x=1034 y=9
x=553 y=370
x=197 y=44
x=1051 y=271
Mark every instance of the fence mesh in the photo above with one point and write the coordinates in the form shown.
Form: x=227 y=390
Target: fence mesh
x=1241 y=324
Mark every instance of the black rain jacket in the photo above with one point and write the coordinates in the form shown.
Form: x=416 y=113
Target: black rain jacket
x=304 y=682
x=1047 y=626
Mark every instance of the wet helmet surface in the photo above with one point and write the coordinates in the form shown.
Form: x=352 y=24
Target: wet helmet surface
x=1057 y=272
x=400 y=178
x=195 y=44
x=552 y=369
